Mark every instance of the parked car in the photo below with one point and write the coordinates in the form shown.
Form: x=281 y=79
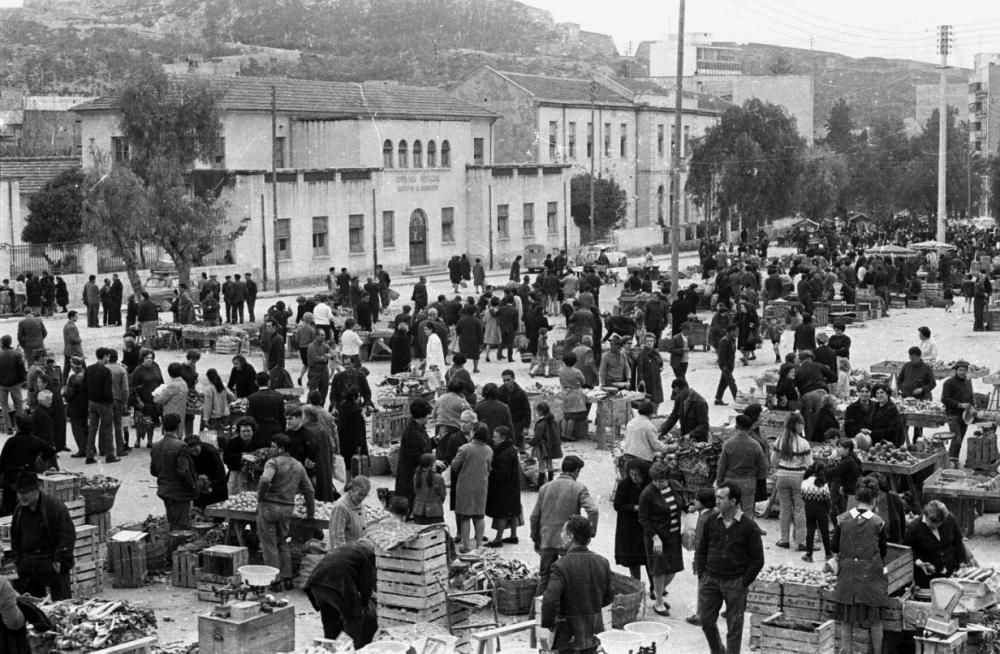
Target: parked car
x=534 y=258
x=161 y=288
x=588 y=254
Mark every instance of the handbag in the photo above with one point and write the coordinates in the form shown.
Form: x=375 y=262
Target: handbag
x=339 y=469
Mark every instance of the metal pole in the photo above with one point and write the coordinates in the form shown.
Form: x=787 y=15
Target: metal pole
x=675 y=202
x=593 y=154
x=968 y=181
x=374 y=235
x=263 y=244
x=943 y=46
x=274 y=184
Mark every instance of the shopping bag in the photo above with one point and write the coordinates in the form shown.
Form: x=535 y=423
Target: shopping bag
x=689 y=525
x=339 y=469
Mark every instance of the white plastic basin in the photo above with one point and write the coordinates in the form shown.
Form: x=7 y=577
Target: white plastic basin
x=653 y=633
x=386 y=647
x=258 y=575
x=616 y=641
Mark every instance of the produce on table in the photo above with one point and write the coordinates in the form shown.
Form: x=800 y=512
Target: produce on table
x=239 y=405
x=387 y=534
x=494 y=567
x=100 y=482
x=89 y=625
x=790 y=574
x=974 y=369
x=824 y=452
x=886 y=452
x=373 y=513
x=926 y=407
x=247 y=502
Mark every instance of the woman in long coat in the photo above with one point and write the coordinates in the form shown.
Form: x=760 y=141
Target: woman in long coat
x=630 y=549
x=470 y=331
x=747 y=337
x=575 y=409
x=491 y=328
x=660 y=517
x=534 y=320
x=470 y=472
x=351 y=426
x=399 y=343
x=717 y=328
x=648 y=368
x=503 y=494
x=413 y=444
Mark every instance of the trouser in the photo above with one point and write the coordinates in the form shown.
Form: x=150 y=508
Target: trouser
x=520 y=427
x=188 y=425
x=725 y=381
x=79 y=429
x=958 y=428
x=229 y=311
x=793 y=509
x=92 y=320
x=680 y=370
x=236 y=312
x=809 y=406
x=99 y=417
x=549 y=555
x=250 y=304
x=342 y=614
x=712 y=592
x=978 y=311
x=106 y=314
x=822 y=523
x=37 y=576
x=384 y=297
x=273 y=522
x=178 y=514
x=15 y=395
x=748 y=489
x=121 y=440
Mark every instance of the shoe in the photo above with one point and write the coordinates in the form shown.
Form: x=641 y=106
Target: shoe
x=78 y=455
x=693 y=620
x=494 y=544
x=720 y=403
x=289 y=584
x=808 y=558
x=113 y=459
x=512 y=540
x=783 y=543
x=777 y=360
x=761 y=531
x=801 y=548
x=149 y=445
x=90 y=460
x=663 y=611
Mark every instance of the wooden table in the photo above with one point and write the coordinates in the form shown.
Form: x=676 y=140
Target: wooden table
x=890 y=368
x=964 y=499
x=896 y=472
x=237 y=519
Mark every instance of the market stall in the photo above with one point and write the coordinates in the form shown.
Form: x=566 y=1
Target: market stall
x=964 y=492
x=901 y=466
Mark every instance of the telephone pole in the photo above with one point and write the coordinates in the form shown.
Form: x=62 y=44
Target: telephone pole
x=675 y=182
x=593 y=152
x=274 y=185
x=944 y=47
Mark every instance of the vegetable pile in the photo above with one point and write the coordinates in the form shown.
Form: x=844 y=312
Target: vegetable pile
x=974 y=574
x=886 y=452
x=247 y=501
x=89 y=625
x=387 y=534
x=493 y=567
x=790 y=574
x=926 y=407
x=100 y=482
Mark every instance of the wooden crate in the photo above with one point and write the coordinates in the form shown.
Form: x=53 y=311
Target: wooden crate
x=266 y=632
x=86 y=580
x=861 y=641
x=764 y=597
x=802 y=602
x=982 y=452
x=182 y=572
x=103 y=523
x=127 y=553
x=772 y=423
x=755 y=620
x=915 y=614
x=899 y=567
x=812 y=638
x=388 y=426
x=77 y=512
x=209 y=591
x=140 y=646
x=62 y=486
x=940 y=645
x=425 y=555
x=208 y=578
x=892 y=615
x=224 y=560
x=85 y=547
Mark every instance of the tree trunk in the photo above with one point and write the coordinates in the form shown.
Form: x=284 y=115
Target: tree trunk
x=181 y=262
x=128 y=255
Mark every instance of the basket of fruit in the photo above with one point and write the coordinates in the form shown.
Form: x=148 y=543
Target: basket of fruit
x=99 y=493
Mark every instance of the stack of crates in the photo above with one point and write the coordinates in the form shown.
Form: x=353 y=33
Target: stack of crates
x=86 y=578
x=218 y=569
x=66 y=488
x=411 y=582
x=127 y=554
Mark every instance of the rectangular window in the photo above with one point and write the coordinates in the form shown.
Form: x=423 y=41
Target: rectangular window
x=571 y=140
x=623 y=141
x=321 y=241
x=590 y=140
x=356 y=232
x=687 y=137
x=478 y=151
x=503 y=216
x=552 y=217
x=448 y=225
x=553 y=140
x=219 y=153
x=279 y=151
x=659 y=140
x=528 y=218
x=120 y=146
x=607 y=139
x=388 y=229
x=282 y=234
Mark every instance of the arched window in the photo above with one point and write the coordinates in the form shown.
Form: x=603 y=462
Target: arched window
x=445 y=154
x=403 y=158
x=418 y=154
x=432 y=154
x=387 y=154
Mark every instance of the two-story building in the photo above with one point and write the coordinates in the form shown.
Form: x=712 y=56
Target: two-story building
x=623 y=128
x=366 y=174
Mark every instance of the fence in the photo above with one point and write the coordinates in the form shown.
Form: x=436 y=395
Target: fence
x=57 y=258
x=219 y=252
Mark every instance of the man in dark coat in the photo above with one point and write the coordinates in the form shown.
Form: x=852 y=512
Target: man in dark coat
x=690 y=411
x=237 y=296
x=31 y=335
x=42 y=538
x=267 y=407
x=727 y=363
x=824 y=353
x=341 y=588
x=579 y=586
x=511 y=394
x=956 y=396
x=251 y=286
x=311 y=447
x=679 y=310
x=176 y=481
x=419 y=297
x=492 y=411
x=117 y=295
x=655 y=318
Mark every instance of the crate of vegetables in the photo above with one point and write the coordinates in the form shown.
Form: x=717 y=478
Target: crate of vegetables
x=779 y=633
x=764 y=597
x=99 y=493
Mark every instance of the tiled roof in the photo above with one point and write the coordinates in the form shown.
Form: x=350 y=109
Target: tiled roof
x=35 y=172
x=566 y=89
x=706 y=101
x=319 y=98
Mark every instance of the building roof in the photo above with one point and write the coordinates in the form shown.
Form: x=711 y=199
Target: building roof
x=315 y=98
x=565 y=90
x=35 y=172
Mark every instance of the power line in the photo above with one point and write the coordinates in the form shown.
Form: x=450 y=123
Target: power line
x=825 y=21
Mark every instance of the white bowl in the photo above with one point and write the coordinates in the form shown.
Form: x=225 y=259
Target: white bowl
x=258 y=575
x=655 y=633
x=616 y=641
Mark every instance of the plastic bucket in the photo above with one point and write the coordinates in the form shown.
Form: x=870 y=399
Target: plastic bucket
x=655 y=633
x=617 y=641
x=386 y=647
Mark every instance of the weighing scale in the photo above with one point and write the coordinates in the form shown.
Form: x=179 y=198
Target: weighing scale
x=252 y=594
x=945 y=596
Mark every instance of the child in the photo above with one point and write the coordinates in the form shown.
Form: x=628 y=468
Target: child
x=842 y=389
x=816 y=495
x=704 y=506
x=543 y=357
x=545 y=443
x=968 y=290
x=429 y=493
x=949 y=298
x=399 y=508
x=773 y=332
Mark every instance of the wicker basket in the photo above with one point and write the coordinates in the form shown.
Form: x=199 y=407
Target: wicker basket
x=393 y=457
x=629 y=603
x=99 y=500
x=514 y=597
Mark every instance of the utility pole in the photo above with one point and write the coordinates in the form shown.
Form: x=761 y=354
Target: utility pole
x=675 y=182
x=274 y=184
x=944 y=47
x=593 y=151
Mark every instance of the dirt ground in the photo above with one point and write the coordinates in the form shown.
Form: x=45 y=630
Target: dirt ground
x=177 y=609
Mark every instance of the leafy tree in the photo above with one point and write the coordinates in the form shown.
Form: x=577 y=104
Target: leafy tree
x=610 y=204
x=877 y=166
x=918 y=186
x=840 y=127
x=993 y=182
x=55 y=210
x=822 y=183
x=780 y=65
x=751 y=160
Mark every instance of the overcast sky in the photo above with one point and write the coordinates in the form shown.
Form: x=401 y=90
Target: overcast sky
x=886 y=28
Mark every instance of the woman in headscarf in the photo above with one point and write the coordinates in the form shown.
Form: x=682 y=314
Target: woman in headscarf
x=412 y=445
x=399 y=344
x=630 y=550
x=503 y=493
x=575 y=408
